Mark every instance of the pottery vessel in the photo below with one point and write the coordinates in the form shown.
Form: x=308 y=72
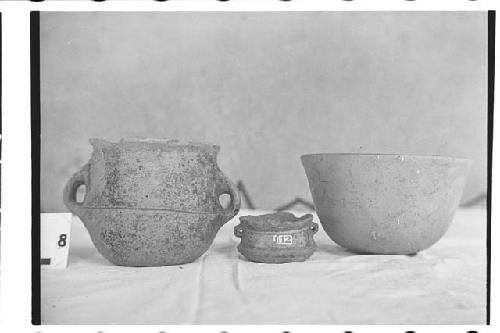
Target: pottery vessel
x=385 y=204
x=151 y=202
x=276 y=238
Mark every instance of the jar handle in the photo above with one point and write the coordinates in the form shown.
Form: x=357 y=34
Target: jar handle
x=225 y=186
x=69 y=195
x=238 y=231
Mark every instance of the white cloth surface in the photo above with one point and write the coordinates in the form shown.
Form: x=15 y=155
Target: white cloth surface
x=445 y=284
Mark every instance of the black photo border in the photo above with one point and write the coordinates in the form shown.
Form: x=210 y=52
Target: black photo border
x=35 y=166
x=491 y=99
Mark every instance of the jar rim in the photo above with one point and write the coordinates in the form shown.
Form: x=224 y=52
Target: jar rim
x=147 y=142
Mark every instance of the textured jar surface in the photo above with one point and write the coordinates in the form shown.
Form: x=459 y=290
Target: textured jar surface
x=153 y=237
x=152 y=202
x=278 y=247
x=276 y=238
x=162 y=175
x=387 y=204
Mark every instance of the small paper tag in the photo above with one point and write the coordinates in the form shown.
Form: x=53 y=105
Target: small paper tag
x=55 y=237
x=283 y=239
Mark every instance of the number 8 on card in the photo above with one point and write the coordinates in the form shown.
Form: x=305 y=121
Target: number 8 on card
x=55 y=236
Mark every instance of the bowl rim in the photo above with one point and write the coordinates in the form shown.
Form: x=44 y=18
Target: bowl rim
x=435 y=157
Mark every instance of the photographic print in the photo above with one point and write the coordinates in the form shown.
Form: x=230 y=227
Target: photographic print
x=263 y=167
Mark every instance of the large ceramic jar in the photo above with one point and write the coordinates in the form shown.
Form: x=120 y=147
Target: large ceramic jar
x=152 y=202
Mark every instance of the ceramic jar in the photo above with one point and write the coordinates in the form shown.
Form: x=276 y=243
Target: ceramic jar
x=152 y=202
x=276 y=238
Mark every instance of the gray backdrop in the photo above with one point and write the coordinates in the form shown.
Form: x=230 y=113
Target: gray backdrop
x=267 y=87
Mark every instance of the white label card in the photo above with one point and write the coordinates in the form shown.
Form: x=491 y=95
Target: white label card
x=283 y=239
x=55 y=238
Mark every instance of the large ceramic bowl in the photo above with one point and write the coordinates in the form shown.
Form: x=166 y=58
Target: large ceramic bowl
x=385 y=204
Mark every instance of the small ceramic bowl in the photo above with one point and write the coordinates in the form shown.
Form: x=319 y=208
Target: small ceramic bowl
x=385 y=204
x=276 y=238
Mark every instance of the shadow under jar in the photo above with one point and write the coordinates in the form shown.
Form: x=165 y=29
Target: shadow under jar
x=152 y=202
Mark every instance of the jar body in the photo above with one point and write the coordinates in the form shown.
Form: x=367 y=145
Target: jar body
x=152 y=202
x=285 y=241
